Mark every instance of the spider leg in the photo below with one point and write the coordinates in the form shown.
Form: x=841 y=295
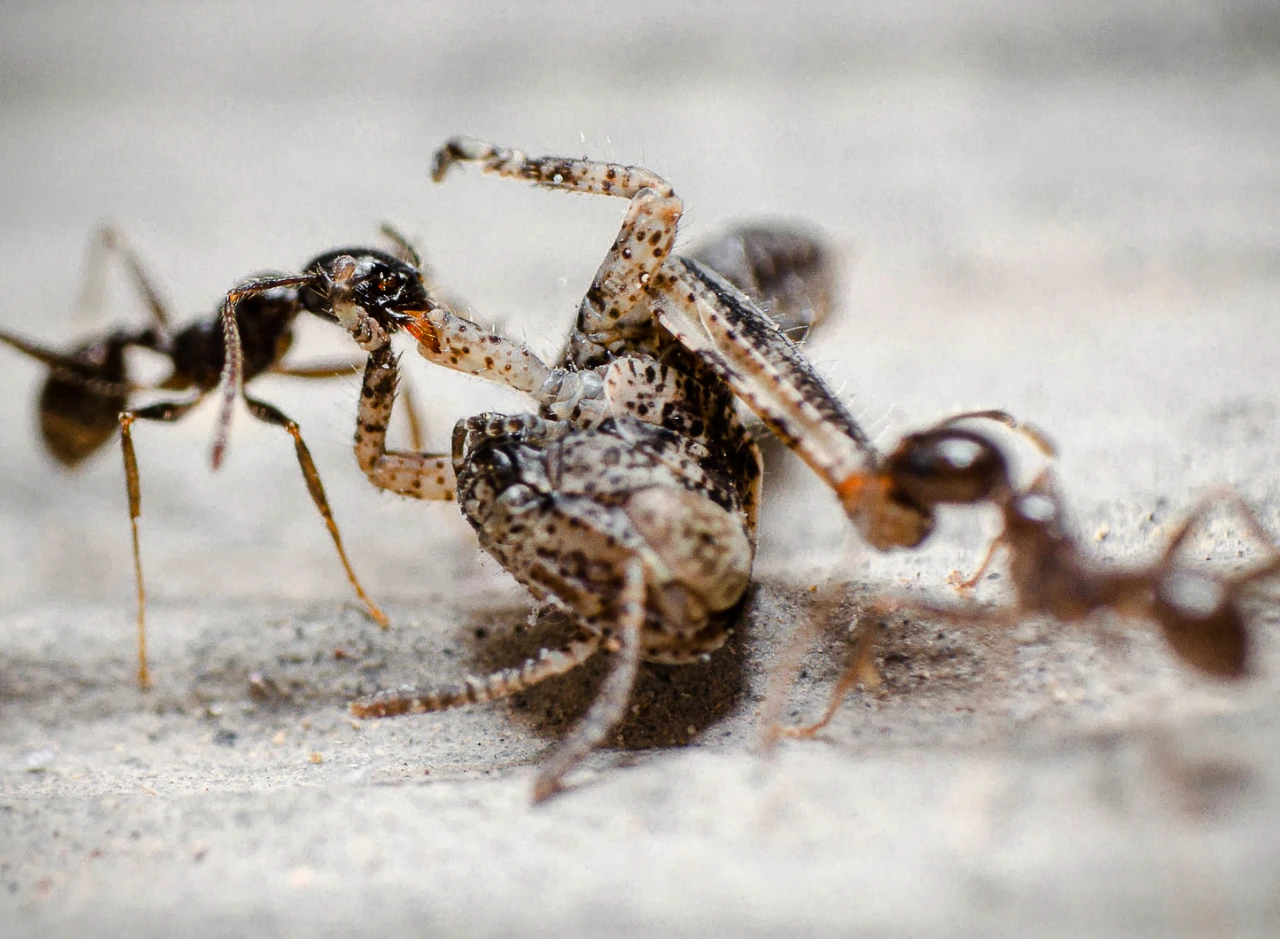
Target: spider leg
x=268 y=414
x=447 y=339
x=610 y=704
x=419 y=475
x=612 y=313
x=473 y=690
x=166 y=412
x=731 y=336
x=340 y=369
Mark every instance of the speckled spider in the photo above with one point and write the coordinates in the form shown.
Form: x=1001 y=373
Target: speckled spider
x=629 y=499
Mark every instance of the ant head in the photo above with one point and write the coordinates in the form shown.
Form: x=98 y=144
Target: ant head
x=1202 y=622
x=81 y=401
x=354 y=285
x=948 y=465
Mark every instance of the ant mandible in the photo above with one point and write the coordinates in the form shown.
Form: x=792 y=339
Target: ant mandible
x=89 y=393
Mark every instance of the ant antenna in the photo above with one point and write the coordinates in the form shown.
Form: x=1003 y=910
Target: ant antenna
x=232 y=380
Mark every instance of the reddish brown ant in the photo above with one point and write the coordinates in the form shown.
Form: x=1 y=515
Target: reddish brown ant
x=1200 y=616
x=89 y=393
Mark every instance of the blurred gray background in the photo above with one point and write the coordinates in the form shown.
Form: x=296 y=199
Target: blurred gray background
x=1069 y=211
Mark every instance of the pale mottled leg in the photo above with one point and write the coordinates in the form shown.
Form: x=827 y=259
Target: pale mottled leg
x=473 y=690
x=714 y=320
x=418 y=475
x=339 y=369
x=613 y=313
x=445 y=338
x=611 y=701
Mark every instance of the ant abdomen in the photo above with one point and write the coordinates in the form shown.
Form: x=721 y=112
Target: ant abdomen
x=81 y=401
x=1202 y=622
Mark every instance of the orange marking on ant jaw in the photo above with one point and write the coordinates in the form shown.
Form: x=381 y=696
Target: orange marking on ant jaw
x=424 y=333
x=851 y=489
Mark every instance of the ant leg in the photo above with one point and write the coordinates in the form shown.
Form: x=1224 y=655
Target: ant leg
x=108 y=242
x=1232 y=500
x=610 y=704
x=861 y=670
x=962 y=585
x=473 y=690
x=418 y=475
x=113 y=243
x=1037 y=437
x=405 y=250
x=232 y=378
x=166 y=412
x=340 y=369
x=270 y=415
x=862 y=664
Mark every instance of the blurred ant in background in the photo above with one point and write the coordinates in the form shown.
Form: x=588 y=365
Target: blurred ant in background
x=1201 y=616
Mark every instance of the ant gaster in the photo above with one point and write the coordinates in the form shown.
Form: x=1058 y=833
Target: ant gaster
x=89 y=393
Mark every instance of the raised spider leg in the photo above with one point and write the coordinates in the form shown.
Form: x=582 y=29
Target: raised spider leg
x=268 y=414
x=612 y=311
x=703 y=311
x=166 y=412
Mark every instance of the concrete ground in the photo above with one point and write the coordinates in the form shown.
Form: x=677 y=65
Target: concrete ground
x=1071 y=215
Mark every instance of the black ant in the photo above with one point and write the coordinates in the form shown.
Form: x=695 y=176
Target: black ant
x=1200 y=616
x=89 y=393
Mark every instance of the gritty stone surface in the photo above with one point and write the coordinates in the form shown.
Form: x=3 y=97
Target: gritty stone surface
x=1071 y=215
